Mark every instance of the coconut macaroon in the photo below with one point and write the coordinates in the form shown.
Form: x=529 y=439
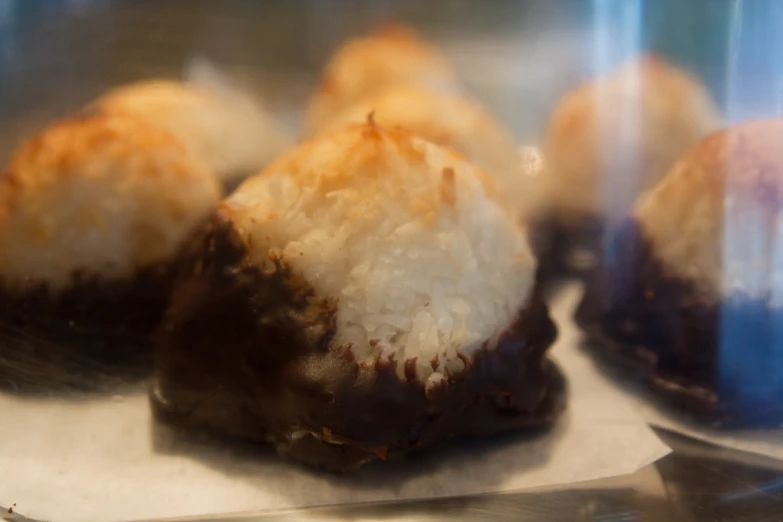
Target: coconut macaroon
x=365 y=295
x=93 y=212
x=608 y=141
x=223 y=127
x=364 y=66
x=693 y=287
x=450 y=120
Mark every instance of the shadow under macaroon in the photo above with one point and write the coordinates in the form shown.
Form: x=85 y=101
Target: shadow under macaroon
x=454 y=467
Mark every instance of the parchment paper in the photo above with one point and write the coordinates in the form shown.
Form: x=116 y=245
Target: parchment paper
x=766 y=442
x=105 y=460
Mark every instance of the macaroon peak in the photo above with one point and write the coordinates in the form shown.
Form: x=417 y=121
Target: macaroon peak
x=367 y=64
x=372 y=216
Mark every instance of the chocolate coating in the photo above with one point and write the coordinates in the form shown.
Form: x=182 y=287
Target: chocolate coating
x=246 y=352
x=86 y=336
x=566 y=248
x=693 y=352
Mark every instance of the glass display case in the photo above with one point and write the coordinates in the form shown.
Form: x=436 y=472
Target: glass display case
x=391 y=260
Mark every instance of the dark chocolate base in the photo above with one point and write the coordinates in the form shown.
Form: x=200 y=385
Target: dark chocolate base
x=566 y=249
x=658 y=327
x=92 y=334
x=247 y=354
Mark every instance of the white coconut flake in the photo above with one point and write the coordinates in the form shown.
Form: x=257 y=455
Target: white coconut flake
x=434 y=380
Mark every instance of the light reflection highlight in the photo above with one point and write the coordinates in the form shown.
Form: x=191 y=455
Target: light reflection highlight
x=750 y=370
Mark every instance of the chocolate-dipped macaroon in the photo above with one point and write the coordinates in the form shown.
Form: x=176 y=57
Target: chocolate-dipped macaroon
x=223 y=127
x=365 y=295
x=93 y=211
x=607 y=142
x=364 y=66
x=691 y=289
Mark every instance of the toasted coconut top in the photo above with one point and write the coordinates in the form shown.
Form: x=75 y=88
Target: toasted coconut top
x=610 y=140
x=231 y=134
x=407 y=238
x=366 y=65
x=447 y=119
x=98 y=194
x=715 y=219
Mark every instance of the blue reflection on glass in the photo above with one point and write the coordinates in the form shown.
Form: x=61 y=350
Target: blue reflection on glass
x=617 y=35
x=750 y=373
